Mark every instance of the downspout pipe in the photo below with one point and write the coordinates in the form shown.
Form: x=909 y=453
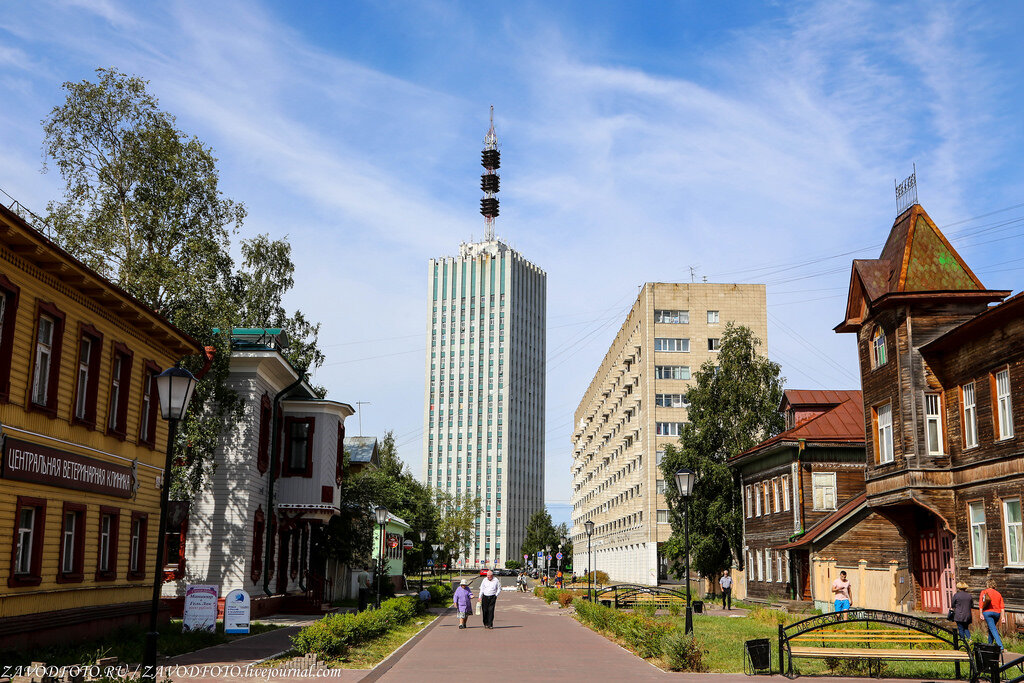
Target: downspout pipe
x=275 y=428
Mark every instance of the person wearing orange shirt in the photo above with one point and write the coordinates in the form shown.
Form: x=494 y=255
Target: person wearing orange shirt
x=992 y=609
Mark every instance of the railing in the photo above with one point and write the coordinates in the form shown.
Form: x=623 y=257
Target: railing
x=997 y=673
x=627 y=592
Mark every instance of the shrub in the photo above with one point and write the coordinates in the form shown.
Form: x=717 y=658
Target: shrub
x=642 y=634
x=335 y=633
x=565 y=598
x=767 y=616
x=550 y=595
x=538 y=591
x=441 y=593
x=646 y=609
x=683 y=652
x=599 y=578
x=674 y=608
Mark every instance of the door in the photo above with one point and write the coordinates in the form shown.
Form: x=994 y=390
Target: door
x=803 y=572
x=948 y=578
x=282 y=561
x=930 y=560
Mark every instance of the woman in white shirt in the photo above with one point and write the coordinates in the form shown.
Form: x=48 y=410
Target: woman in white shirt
x=490 y=588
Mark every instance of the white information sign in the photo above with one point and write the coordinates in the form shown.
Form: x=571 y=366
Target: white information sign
x=200 y=608
x=236 y=612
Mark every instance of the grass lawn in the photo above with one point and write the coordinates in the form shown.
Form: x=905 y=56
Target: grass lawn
x=370 y=653
x=127 y=644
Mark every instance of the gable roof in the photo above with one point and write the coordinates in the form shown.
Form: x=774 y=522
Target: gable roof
x=361 y=449
x=916 y=259
x=800 y=398
x=842 y=423
x=991 y=318
x=820 y=529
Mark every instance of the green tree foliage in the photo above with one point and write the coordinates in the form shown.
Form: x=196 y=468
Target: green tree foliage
x=540 y=534
x=733 y=407
x=457 y=515
x=142 y=206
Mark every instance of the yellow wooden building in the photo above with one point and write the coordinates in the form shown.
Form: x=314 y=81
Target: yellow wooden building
x=83 y=443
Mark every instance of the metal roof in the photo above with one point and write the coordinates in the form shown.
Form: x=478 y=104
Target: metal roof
x=361 y=449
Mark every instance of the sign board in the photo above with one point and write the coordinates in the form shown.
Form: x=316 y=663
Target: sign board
x=236 y=612
x=526 y=557
x=540 y=553
x=558 y=556
x=407 y=544
x=430 y=563
x=25 y=461
x=200 y=608
x=392 y=540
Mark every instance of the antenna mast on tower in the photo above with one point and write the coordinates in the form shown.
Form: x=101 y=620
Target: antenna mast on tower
x=489 y=180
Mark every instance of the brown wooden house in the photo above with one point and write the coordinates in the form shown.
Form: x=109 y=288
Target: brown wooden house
x=943 y=381
x=803 y=498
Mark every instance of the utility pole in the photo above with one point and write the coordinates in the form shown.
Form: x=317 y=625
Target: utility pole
x=359 y=410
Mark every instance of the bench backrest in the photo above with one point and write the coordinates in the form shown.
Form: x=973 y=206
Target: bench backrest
x=894 y=620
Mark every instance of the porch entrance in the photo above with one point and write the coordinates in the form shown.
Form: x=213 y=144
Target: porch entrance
x=931 y=555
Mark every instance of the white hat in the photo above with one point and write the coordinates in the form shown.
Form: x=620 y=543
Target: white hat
x=464 y=583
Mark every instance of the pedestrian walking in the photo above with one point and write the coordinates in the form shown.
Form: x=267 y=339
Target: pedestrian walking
x=960 y=610
x=490 y=588
x=463 y=601
x=841 y=591
x=363 y=586
x=992 y=609
x=726 y=583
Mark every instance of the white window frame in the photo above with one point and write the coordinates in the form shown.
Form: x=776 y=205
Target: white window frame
x=1013 y=534
x=82 y=387
x=757 y=500
x=979 y=534
x=672 y=344
x=671 y=317
x=765 y=491
x=44 y=358
x=768 y=565
x=826 y=483
x=785 y=493
x=668 y=428
x=671 y=401
x=883 y=433
x=750 y=504
x=662 y=514
x=68 y=542
x=147 y=405
x=659 y=486
x=775 y=495
x=103 y=555
x=115 y=392
x=713 y=317
x=714 y=344
x=133 y=551
x=1004 y=405
x=779 y=555
x=879 y=352
x=760 y=565
x=968 y=395
x=26 y=538
x=933 y=421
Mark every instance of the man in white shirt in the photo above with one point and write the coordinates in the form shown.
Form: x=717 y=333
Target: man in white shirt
x=726 y=583
x=490 y=589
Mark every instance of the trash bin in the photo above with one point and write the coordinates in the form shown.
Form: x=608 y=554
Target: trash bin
x=758 y=656
x=698 y=607
x=606 y=603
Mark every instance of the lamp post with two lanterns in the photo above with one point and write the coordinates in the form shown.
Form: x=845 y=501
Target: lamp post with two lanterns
x=382 y=518
x=174 y=389
x=685 y=479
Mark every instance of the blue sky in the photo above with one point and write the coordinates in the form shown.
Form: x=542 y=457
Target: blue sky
x=755 y=142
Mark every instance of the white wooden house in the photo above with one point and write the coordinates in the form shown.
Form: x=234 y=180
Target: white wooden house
x=277 y=478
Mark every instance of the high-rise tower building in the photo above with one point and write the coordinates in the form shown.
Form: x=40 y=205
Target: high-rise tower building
x=483 y=408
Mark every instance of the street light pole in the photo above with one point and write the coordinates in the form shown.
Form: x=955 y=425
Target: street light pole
x=685 y=479
x=589 y=526
x=423 y=547
x=382 y=518
x=174 y=389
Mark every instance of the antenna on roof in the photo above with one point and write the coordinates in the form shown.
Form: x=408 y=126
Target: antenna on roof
x=490 y=159
x=693 y=274
x=359 y=410
x=906 y=192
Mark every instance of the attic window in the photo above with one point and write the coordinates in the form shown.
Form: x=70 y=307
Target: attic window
x=879 y=356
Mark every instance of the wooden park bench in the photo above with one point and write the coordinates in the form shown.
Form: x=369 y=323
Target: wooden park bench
x=627 y=595
x=850 y=635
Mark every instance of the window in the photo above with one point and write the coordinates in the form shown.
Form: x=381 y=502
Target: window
x=785 y=492
x=46 y=359
x=1004 y=408
x=883 y=433
x=760 y=565
x=824 y=484
x=106 y=552
x=713 y=344
x=659 y=486
x=970 y=414
x=299 y=447
x=674 y=317
x=150 y=405
x=878 y=352
x=120 y=380
x=780 y=576
x=712 y=317
x=671 y=372
x=768 y=565
x=671 y=401
x=9 y=295
x=263 y=445
x=669 y=428
x=339 y=472
x=90 y=349
x=767 y=499
x=775 y=495
x=979 y=534
x=72 y=544
x=757 y=500
x=671 y=344
x=662 y=516
x=749 y=507
x=1014 y=537
x=258 y=527
x=27 y=553
x=137 y=546
x=933 y=423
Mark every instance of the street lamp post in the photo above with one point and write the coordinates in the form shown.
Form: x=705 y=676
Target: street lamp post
x=589 y=526
x=547 y=562
x=423 y=540
x=685 y=479
x=174 y=388
x=561 y=545
x=382 y=518
x=436 y=547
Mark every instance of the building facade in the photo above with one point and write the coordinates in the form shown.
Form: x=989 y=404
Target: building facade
x=804 y=511
x=636 y=404
x=275 y=486
x=483 y=413
x=942 y=371
x=83 y=443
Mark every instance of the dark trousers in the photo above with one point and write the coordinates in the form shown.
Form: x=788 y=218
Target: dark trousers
x=487 y=602
x=364 y=598
x=727 y=597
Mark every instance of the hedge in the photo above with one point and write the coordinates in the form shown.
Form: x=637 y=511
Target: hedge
x=643 y=634
x=336 y=633
x=441 y=593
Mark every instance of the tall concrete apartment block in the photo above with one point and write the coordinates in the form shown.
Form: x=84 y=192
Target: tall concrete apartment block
x=635 y=405
x=484 y=396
